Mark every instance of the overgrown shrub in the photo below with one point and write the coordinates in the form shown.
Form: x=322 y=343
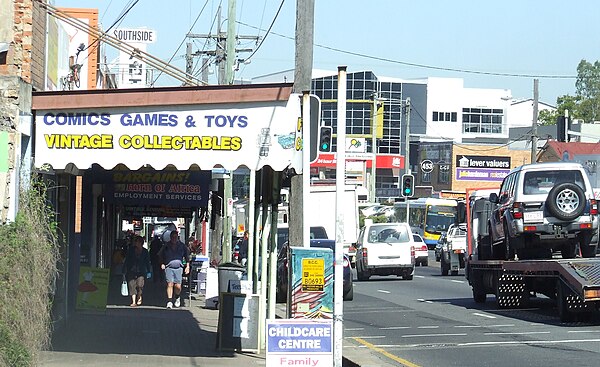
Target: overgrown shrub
x=28 y=266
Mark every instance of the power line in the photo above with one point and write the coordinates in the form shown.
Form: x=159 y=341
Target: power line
x=424 y=66
x=182 y=42
x=268 y=31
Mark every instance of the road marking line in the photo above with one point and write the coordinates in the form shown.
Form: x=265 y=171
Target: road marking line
x=484 y=315
x=583 y=331
x=458 y=281
x=503 y=325
x=386 y=353
x=383 y=291
x=424 y=300
x=428 y=327
x=354 y=328
x=419 y=276
x=519 y=333
x=471 y=344
x=467 y=326
x=530 y=342
x=369 y=337
x=428 y=335
x=395 y=328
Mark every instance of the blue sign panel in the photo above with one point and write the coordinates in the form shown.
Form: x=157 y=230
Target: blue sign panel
x=300 y=337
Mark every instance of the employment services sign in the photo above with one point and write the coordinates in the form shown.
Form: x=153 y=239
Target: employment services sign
x=229 y=135
x=293 y=342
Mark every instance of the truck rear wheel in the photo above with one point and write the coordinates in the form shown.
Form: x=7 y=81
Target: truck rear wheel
x=479 y=296
x=445 y=267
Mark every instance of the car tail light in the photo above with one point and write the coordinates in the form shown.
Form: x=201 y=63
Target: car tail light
x=517 y=210
x=529 y=228
x=346 y=263
x=351 y=248
x=424 y=248
x=593 y=207
x=585 y=226
x=365 y=257
x=412 y=251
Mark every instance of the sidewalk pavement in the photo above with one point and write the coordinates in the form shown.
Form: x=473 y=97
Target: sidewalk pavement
x=151 y=335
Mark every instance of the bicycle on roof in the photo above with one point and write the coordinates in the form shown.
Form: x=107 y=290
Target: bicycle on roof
x=73 y=80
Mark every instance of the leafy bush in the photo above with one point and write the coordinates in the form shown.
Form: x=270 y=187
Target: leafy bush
x=28 y=267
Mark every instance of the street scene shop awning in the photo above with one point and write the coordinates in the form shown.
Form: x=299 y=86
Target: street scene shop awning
x=232 y=126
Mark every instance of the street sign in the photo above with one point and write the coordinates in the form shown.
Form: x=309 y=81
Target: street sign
x=426 y=166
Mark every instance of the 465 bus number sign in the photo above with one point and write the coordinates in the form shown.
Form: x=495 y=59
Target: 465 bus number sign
x=313 y=275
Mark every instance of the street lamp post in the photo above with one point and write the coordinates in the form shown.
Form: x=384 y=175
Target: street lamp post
x=373 y=150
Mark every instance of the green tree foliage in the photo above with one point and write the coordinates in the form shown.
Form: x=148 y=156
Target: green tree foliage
x=566 y=102
x=588 y=89
x=585 y=104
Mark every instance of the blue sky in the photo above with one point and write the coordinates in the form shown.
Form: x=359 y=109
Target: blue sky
x=534 y=38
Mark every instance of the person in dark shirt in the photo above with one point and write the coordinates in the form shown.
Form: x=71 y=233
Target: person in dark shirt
x=243 y=249
x=173 y=255
x=137 y=266
x=155 y=246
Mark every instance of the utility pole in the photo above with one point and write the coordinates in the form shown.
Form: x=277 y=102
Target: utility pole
x=225 y=52
x=534 y=137
x=373 y=150
x=305 y=12
x=407 y=139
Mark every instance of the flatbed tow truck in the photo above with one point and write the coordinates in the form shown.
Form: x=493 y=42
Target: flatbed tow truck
x=574 y=284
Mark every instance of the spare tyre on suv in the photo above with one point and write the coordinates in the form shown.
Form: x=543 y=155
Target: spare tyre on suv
x=542 y=208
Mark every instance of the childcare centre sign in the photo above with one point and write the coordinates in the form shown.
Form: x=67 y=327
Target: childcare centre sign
x=295 y=342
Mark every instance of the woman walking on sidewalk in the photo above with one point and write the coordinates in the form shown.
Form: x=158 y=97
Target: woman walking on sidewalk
x=137 y=267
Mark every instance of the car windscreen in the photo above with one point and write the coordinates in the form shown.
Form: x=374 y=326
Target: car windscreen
x=389 y=234
x=541 y=182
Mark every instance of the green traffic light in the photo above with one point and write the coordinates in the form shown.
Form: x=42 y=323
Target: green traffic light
x=324 y=146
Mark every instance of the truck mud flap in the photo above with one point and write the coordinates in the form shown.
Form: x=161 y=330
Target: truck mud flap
x=511 y=291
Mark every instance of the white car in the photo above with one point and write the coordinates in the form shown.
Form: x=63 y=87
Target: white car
x=385 y=249
x=421 y=251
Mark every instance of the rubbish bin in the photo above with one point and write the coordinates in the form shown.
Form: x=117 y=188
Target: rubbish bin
x=227 y=272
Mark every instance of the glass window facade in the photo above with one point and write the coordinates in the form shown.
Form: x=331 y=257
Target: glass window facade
x=483 y=120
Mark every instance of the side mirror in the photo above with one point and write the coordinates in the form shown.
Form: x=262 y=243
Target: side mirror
x=494 y=198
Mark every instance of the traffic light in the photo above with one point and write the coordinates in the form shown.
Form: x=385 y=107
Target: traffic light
x=408 y=185
x=325 y=139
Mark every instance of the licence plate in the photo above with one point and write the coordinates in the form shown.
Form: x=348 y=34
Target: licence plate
x=536 y=216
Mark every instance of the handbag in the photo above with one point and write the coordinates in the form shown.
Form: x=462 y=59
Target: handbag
x=124 y=288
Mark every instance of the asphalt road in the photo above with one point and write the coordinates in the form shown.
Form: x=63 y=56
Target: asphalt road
x=433 y=321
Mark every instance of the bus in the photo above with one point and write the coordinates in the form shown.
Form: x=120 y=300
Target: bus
x=429 y=217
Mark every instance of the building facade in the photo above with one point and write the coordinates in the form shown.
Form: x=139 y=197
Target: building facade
x=436 y=113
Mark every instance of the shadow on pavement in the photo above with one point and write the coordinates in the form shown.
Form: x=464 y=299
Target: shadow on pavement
x=149 y=329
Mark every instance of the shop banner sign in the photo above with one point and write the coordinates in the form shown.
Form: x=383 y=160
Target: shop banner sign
x=171 y=188
x=227 y=135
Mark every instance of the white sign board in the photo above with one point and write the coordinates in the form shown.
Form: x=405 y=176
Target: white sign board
x=229 y=135
x=299 y=342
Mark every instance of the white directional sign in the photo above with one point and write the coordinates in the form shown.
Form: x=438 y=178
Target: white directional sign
x=426 y=166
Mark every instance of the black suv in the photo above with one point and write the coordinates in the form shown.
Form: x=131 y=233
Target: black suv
x=542 y=208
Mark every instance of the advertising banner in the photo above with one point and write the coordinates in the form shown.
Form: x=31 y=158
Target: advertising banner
x=481 y=168
x=311 y=283
x=226 y=135
x=169 y=188
x=92 y=288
